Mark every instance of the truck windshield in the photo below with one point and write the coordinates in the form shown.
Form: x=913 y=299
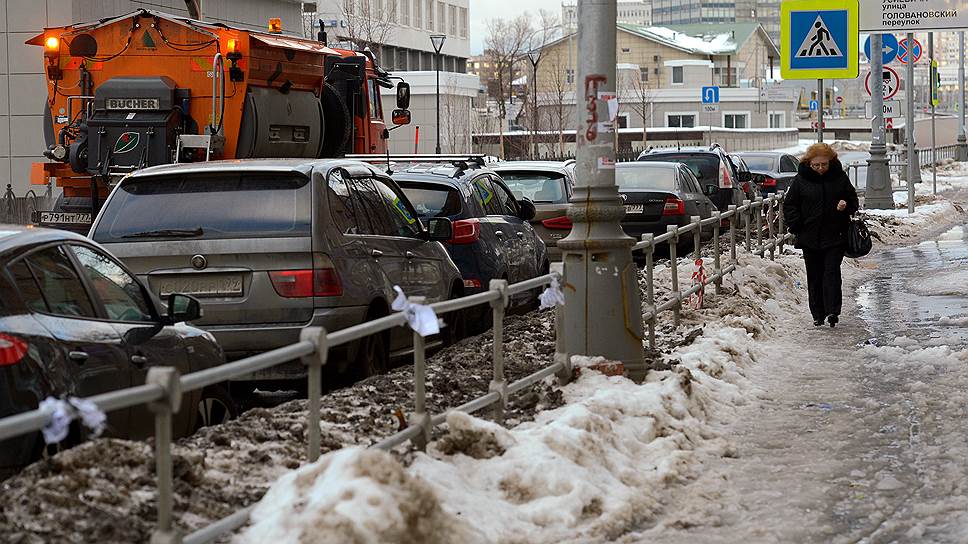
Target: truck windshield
x=207 y=206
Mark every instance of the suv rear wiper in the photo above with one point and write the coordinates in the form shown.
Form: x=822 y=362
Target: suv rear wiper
x=166 y=233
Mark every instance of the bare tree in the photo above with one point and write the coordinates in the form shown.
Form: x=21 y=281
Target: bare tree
x=547 y=29
x=504 y=44
x=369 y=23
x=553 y=92
x=636 y=86
x=457 y=111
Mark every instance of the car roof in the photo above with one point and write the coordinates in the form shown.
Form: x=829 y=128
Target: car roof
x=687 y=149
x=436 y=172
x=649 y=164
x=556 y=166
x=295 y=166
x=15 y=236
x=761 y=153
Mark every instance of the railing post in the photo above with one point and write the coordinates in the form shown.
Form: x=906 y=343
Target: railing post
x=314 y=388
x=717 y=262
x=420 y=415
x=167 y=378
x=674 y=266
x=781 y=226
x=732 y=233
x=759 y=226
x=650 y=286
x=697 y=235
x=561 y=354
x=498 y=382
x=747 y=217
x=769 y=227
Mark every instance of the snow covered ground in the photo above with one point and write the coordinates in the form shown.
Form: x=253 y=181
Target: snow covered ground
x=601 y=458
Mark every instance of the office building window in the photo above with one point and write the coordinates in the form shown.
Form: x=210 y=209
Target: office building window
x=441 y=17
x=463 y=22
x=677 y=75
x=570 y=75
x=452 y=18
x=776 y=120
x=430 y=15
x=405 y=12
x=643 y=74
x=680 y=120
x=736 y=120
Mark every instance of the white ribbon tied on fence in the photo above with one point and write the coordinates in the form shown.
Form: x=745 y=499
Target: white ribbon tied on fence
x=552 y=295
x=421 y=317
x=59 y=422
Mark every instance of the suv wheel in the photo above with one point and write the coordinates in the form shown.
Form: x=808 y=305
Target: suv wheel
x=456 y=325
x=372 y=356
x=215 y=407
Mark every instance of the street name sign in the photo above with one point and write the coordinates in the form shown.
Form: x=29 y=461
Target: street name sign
x=819 y=39
x=913 y=15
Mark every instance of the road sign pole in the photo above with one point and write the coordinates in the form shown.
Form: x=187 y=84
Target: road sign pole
x=878 y=193
x=962 y=139
x=604 y=314
x=912 y=156
x=819 y=110
x=934 y=144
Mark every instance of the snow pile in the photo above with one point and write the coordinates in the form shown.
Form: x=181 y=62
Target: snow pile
x=907 y=352
x=351 y=495
x=942 y=283
x=594 y=468
x=894 y=226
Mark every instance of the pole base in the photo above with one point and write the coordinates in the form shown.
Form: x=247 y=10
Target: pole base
x=962 y=150
x=878 y=195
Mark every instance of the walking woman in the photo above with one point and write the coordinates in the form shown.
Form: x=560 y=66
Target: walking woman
x=817 y=208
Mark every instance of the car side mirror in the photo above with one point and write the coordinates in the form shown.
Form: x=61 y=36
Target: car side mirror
x=403 y=95
x=439 y=229
x=183 y=308
x=401 y=117
x=526 y=209
x=744 y=176
x=711 y=190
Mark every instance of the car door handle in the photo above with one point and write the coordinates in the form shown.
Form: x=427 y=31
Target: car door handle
x=139 y=360
x=78 y=356
x=499 y=234
x=410 y=255
x=376 y=253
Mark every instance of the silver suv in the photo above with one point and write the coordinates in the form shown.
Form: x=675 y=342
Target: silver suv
x=270 y=247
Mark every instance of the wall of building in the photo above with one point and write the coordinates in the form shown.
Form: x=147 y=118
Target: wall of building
x=23 y=86
x=457 y=91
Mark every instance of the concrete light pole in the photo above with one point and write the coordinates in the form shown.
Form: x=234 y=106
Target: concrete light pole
x=534 y=56
x=438 y=42
x=878 y=194
x=913 y=167
x=604 y=311
x=962 y=140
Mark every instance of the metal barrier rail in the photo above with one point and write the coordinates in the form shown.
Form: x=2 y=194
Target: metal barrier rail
x=17 y=210
x=752 y=217
x=164 y=387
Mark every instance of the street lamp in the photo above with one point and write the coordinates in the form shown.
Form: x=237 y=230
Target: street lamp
x=534 y=56
x=438 y=42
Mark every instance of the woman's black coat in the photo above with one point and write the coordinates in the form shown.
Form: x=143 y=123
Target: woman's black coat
x=810 y=207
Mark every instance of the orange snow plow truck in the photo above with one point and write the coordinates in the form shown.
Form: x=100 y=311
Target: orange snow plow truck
x=150 y=88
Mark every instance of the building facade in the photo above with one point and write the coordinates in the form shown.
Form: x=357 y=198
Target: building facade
x=23 y=86
x=636 y=12
x=400 y=30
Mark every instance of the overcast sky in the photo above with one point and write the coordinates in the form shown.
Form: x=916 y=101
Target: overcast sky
x=483 y=10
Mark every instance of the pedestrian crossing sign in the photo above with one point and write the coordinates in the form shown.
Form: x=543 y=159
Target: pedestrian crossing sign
x=819 y=39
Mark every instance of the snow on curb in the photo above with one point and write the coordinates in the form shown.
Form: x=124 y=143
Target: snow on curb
x=593 y=468
x=895 y=226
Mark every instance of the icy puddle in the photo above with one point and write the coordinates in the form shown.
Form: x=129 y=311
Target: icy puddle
x=920 y=292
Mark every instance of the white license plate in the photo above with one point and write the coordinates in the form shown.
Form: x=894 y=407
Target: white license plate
x=201 y=285
x=63 y=218
x=634 y=208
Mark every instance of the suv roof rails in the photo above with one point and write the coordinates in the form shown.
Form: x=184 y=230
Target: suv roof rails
x=476 y=158
x=715 y=145
x=568 y=162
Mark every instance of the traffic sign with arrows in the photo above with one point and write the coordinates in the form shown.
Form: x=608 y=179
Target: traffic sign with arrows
x=889 y=48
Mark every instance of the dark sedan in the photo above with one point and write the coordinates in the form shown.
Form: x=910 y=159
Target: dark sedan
x=773 y=170
x=75 y=322
x=492 y=238
x=660 y=194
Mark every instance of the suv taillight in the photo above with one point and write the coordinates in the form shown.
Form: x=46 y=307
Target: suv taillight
x=674 y=206
x=322 y=281
x=558 y=223
x=466 y=231
x=769 y=182
x=724 y=179
x=12 y=350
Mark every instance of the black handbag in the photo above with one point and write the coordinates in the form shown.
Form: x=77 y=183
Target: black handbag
x=858 y=238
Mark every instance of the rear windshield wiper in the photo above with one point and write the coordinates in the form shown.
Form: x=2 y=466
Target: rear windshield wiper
x=167 y=233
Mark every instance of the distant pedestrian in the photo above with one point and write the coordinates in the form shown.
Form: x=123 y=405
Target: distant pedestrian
x=817 y=208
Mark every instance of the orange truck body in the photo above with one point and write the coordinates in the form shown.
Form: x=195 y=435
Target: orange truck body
x=145 y=44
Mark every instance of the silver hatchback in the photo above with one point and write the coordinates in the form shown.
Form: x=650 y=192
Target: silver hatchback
x=270 y=247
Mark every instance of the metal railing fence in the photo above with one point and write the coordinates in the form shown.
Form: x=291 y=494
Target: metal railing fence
x=164 y=387
x=17 y=210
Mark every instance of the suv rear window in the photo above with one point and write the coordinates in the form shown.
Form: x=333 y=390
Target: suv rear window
x=704 y=165
x=759 y=162
x=208 y=206
x=541 y=187
x=433 y=200
x=631 y=176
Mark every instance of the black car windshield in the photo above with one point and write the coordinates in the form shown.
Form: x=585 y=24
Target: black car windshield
x=433 y=200
x=704 y=165
x=544 y=187
x=760 y=163
x=208 y=206
x=631 y=176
